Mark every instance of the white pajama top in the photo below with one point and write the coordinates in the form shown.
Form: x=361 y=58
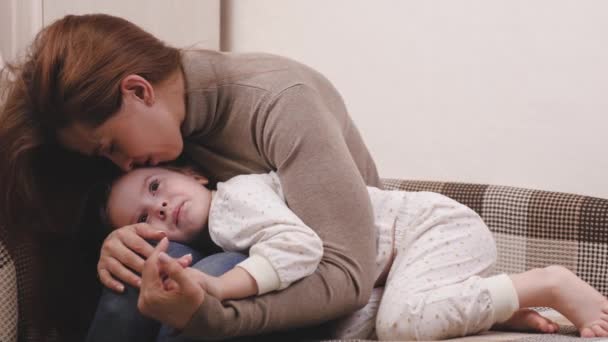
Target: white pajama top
x=248 y=214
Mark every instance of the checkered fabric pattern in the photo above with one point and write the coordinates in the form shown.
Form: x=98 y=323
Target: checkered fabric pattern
x=532 y=229
x=535 y=228
x=21 y=287
x=8 y=293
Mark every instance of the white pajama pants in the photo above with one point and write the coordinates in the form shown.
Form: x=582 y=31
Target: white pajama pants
x=436 y=287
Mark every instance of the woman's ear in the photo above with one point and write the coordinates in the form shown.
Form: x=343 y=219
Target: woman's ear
x=136 y=87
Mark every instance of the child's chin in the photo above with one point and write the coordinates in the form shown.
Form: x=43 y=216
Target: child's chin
x=190 y=234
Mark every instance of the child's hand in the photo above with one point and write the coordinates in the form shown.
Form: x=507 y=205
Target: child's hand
x=184 y=261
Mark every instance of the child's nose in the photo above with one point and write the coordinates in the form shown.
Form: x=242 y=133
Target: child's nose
x=162 y=210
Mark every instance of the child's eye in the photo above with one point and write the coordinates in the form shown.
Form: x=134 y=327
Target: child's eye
x=153 y=186
x=142 y=218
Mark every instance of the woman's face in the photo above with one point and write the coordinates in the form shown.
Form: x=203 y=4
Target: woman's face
x=170 y=201
x=144 y=131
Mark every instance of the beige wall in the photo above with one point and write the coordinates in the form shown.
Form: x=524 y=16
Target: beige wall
x=504 y=92
x=507 y=92
x=181 y=23
x=19 y=22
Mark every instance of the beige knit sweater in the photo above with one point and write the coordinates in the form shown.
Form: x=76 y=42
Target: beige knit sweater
x=255 y=113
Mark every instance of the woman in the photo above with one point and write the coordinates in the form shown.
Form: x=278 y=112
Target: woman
x=100 y=86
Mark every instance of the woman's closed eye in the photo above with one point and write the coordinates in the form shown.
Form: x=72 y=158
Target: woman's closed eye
x=106 y=150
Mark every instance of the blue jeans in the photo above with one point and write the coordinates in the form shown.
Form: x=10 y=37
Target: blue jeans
x=117 y=318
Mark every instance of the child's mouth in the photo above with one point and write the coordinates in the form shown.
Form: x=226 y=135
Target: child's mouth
x=176 y=213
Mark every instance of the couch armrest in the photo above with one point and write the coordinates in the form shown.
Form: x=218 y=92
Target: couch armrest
x=535 y=228
x=8 y=293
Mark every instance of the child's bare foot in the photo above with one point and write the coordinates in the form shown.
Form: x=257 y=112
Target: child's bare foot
x=559 y=288
x=586 y=308
x=526 y=320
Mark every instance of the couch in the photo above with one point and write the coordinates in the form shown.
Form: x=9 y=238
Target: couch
x=532 y=229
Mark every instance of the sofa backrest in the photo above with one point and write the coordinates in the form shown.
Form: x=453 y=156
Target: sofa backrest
x=532 y=229
x=535 y=228
x=9 y=313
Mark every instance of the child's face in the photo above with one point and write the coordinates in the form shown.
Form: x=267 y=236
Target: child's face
x=173 y=202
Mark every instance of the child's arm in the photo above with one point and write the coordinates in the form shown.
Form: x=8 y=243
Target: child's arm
x=234 y=284
x=249 y=213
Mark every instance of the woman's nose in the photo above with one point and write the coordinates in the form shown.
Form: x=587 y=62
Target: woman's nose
x=125 y=163
x=162 y=210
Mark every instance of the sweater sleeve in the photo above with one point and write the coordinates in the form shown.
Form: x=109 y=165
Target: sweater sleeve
x=305 y=142
x=249 y=214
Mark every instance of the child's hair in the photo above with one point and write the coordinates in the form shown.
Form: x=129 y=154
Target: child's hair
x=97 y=204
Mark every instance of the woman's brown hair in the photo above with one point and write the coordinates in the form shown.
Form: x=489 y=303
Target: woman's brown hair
x=71 y=73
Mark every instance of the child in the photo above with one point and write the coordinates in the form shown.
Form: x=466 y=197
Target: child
x=432 y=255
x=246 y=213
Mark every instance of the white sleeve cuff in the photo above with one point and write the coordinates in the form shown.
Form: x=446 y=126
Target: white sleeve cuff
x=503 y=294
x=262 y=271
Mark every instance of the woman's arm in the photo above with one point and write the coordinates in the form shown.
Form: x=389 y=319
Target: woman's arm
x=320 y=160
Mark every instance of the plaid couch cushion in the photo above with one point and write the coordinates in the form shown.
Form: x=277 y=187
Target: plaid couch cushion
x=21 y=290
x=8 y=293
x=535 y=228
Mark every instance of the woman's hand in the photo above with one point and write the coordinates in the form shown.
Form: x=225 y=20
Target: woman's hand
x=173 y=305
x=123 y=252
